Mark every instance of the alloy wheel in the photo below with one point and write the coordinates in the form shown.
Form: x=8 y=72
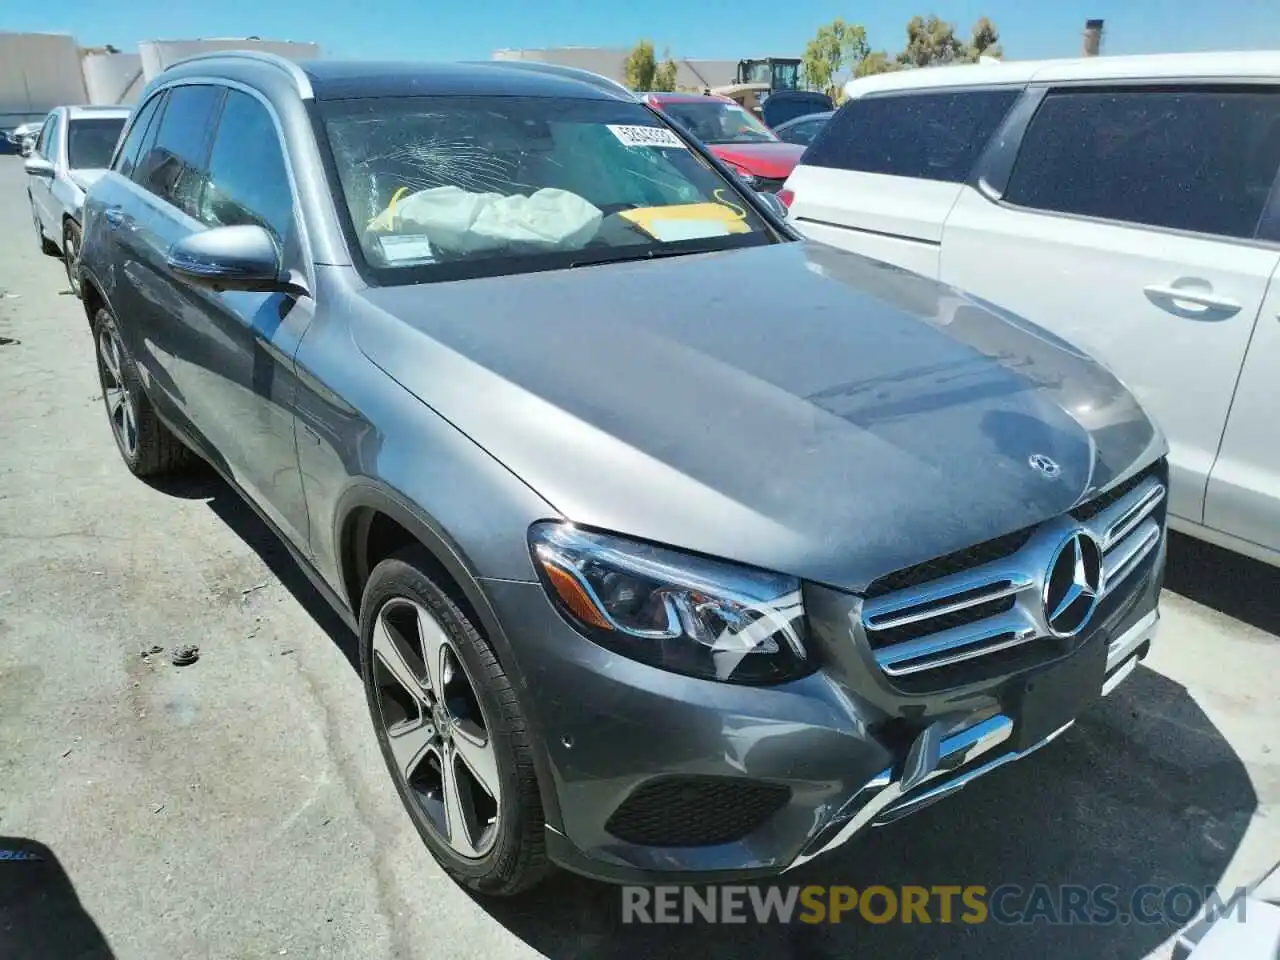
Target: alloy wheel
x=440 y=744
x=120 y=407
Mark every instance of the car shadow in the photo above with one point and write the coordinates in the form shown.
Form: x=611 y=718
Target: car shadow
x=1227 y=582
x=202 y=482
x=1143 y=790
x=41 y=917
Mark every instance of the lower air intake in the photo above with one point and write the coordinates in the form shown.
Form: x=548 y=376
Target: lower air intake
x=695 y=811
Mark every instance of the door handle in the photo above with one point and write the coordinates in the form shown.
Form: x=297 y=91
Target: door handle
x=1199 y=296
x=114 y=215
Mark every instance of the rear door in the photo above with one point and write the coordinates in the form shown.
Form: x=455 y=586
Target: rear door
x=110 y=246
x=882 y=176
x=1126 y=224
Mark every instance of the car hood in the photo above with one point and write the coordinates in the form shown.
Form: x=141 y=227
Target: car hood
x=774 y=160
x=84 y=179
x=791 y=406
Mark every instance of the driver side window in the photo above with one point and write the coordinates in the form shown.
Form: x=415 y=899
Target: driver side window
x=248 y=182
x=46 y=136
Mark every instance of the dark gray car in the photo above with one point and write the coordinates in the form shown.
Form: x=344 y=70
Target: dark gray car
x=677 y=547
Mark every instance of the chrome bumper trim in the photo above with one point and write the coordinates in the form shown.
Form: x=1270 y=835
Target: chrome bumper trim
x=1120 y=654
x=882 y=796
x=882 y=799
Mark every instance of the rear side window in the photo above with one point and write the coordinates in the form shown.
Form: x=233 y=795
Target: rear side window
x=174 y=167
x=803 y=132
x=926 y=136
x=1201 y=160
x=127 y=157
x=248 y=182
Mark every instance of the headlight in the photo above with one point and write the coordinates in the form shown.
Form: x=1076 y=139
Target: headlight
x=688 y=614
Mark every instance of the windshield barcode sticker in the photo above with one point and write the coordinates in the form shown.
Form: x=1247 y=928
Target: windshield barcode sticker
x=639 y=136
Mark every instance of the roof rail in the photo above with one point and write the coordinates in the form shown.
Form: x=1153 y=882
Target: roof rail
x=295 y=72
x=596 y=80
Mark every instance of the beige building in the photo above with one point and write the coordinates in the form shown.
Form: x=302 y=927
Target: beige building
x=696 y=75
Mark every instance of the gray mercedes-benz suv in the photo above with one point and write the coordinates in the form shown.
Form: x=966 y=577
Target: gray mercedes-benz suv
x=678 y=548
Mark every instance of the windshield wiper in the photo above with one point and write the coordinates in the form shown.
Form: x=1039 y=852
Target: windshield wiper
x=648 y=253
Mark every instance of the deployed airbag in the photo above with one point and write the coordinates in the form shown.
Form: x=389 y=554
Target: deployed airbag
x=459 y=222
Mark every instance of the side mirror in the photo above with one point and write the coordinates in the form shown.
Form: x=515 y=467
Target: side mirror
x=776 y=206
x=36 y=166
x=229 y=258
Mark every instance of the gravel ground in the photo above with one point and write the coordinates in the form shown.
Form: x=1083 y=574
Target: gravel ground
x=237 y=807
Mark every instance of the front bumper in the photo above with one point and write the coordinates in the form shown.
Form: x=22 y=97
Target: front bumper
x=739 y=782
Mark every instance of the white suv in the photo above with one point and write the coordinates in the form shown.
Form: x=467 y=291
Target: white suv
x=1128 y=204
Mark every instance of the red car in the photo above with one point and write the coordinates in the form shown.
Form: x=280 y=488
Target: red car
x=732 y=134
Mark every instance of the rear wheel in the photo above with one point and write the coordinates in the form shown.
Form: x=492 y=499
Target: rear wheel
x=146 y=445
x=453 y=737
x=71 y=255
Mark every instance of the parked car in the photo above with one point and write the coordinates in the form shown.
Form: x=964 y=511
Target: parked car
x=71 y=151
x=733 y=134
x=802 y=130
x=19 y=138
x=677 y=547
x=1069 y=191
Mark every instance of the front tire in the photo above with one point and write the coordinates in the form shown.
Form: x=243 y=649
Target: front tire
x=71 y=255
x=450 y=730
x=146 y=445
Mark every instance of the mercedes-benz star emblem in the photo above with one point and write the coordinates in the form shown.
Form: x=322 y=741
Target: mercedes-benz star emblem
x=1044 y=465
x=1072 y=584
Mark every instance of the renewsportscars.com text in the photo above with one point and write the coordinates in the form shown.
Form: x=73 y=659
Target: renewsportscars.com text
x=974 y=904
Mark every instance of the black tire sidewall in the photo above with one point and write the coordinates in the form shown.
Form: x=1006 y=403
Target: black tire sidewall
x=71 y=230
x=399 y=577
x=132 y=384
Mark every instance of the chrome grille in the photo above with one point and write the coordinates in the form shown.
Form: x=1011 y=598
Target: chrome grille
x=996 y=604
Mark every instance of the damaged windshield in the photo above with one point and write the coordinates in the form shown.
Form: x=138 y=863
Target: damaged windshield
x=505 y=184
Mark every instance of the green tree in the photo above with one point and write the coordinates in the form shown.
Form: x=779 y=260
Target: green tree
x=641 y=67
x=835 y=46
x=664 y=77
x=932 y=41
x=876 y=62
x=985 y=41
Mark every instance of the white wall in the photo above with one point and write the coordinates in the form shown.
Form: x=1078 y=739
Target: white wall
x=38 y=71
x=160 y=54
x=112 y=78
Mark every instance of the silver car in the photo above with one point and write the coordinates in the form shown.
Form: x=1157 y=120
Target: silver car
x=71 y=151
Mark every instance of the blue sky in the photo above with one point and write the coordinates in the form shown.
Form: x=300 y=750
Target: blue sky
x=414 y=29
